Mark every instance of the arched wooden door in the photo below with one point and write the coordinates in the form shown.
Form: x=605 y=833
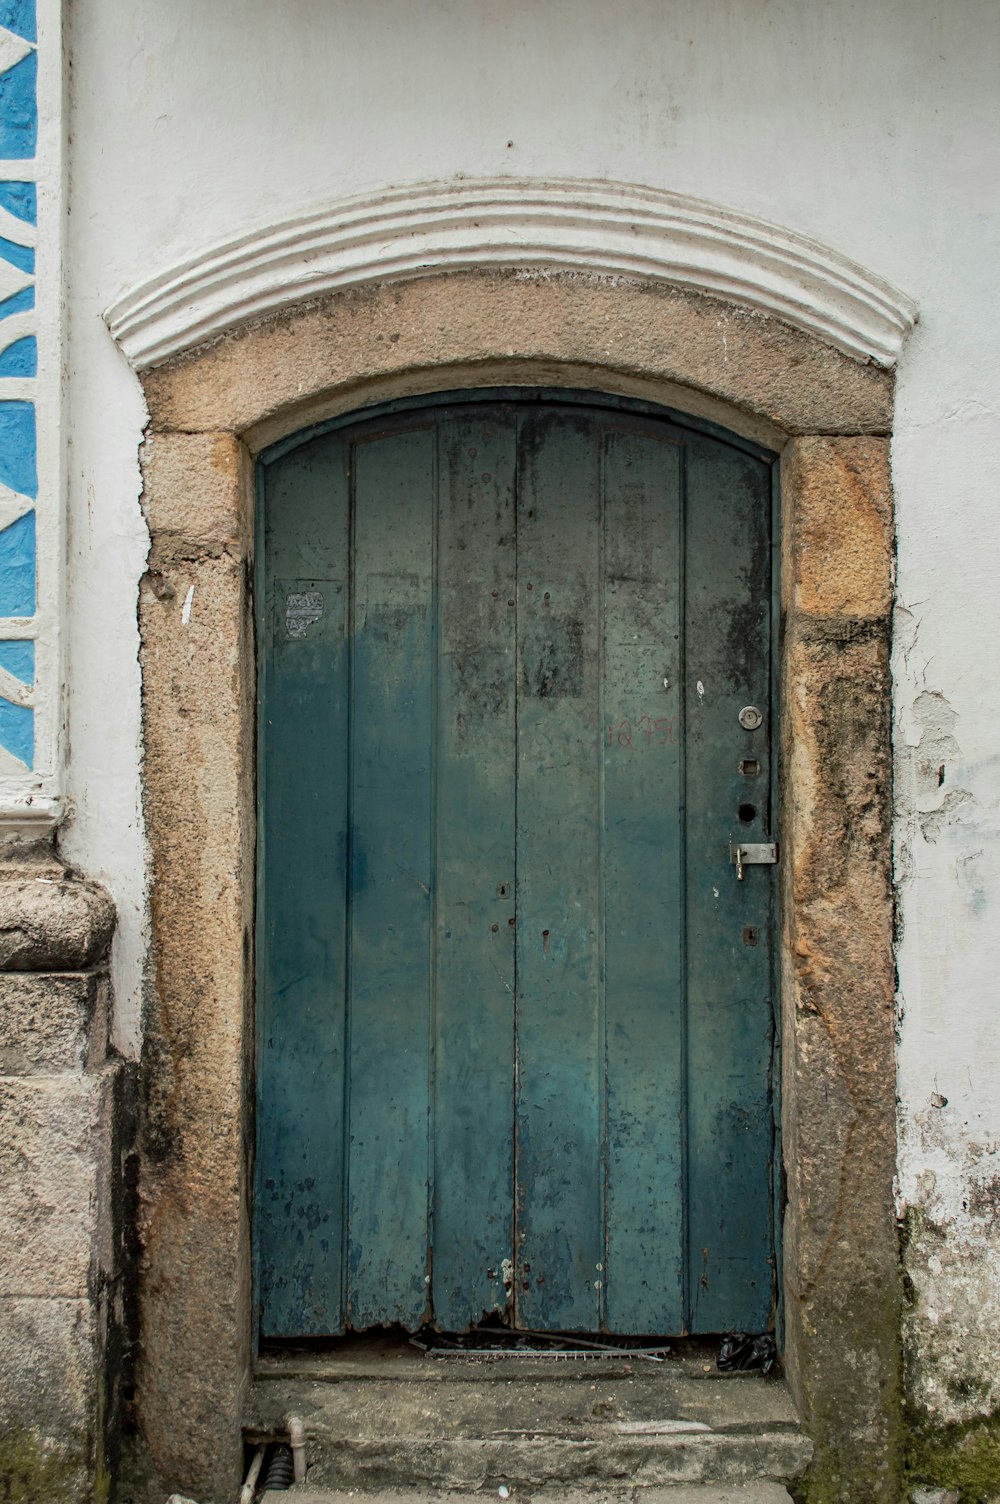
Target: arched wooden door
x=515 y=997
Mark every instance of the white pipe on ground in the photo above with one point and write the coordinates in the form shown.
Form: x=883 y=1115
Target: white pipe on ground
x=297 y=1441
x=250 y=1486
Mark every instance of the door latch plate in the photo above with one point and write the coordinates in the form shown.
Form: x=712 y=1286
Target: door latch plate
x=752 y=854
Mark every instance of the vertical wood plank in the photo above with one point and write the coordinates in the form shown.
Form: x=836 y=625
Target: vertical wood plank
x=730 y=1022
x=302 y=834
x=559 y=1178
x=474 y=936
x=642 y=881
x=391 y=866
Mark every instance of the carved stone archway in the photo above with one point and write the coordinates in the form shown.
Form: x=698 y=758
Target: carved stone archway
x=212 y=408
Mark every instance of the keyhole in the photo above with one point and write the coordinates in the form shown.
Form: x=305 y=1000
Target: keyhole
x=747 y=814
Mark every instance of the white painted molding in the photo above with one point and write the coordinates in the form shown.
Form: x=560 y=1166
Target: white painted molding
x=35 y=802
x=568 y=225
x=25 y=818
x=32 y=800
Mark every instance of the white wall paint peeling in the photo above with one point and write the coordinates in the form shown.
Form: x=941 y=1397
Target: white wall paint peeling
x=870 y=128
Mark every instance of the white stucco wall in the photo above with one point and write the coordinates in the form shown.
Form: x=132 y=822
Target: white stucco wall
x=872 y=128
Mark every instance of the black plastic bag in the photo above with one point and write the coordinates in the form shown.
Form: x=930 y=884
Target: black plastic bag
x=740 y=1350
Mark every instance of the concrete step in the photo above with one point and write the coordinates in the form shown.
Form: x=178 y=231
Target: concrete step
x=477 y=1427
x=681 y=1493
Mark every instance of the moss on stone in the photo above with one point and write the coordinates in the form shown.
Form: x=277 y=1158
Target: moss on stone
x=32 y=1470
x=858 y=1434
x=965 y=1457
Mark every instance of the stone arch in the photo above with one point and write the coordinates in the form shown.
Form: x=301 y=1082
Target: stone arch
x=212 y=408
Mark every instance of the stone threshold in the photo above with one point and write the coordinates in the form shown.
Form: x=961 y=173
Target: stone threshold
x=478 y=1425
x=682 y=1493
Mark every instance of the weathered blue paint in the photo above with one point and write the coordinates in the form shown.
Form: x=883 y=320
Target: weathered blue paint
x=516 y=1011
x=392 y=836
x=17 y=731
x=18 y=302
x=21 y=256
x=21 y=200
x=17 y=722
x=17 y=567
x=302 y=921
x=18 y=658
x=643 y=942
x=18 y=112
x=473 y=994
x=730 y=982
x=560 y=754
x=19 y=16
x=20 y=358
x=18 y=361
x=18 y=448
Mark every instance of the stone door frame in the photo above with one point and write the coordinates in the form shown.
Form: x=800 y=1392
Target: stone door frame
x=212 y=410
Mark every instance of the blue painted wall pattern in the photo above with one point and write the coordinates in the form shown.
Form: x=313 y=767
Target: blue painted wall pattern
x=18 y=370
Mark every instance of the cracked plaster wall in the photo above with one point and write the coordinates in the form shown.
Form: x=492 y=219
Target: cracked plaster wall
x=948 y=866
x=945 y=451
x=871 y=128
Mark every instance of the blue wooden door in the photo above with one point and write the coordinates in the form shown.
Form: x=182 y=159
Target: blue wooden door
x=515 y=1001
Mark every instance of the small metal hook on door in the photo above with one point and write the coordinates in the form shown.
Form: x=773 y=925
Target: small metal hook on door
x=744 y=854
